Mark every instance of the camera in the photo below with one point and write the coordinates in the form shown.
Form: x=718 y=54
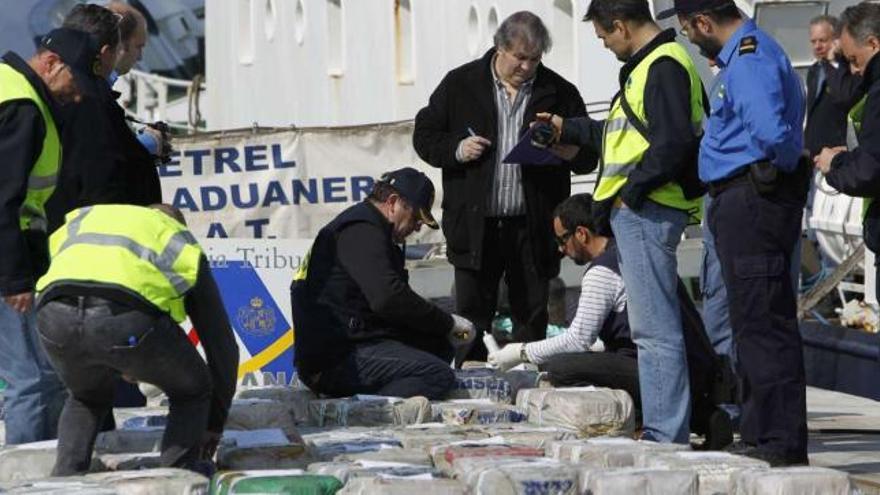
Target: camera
x=543 y=134
x=165 y=130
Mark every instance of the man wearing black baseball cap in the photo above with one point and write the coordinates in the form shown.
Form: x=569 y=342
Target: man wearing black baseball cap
x=690 y=7
x=30 y=93
x=360 y=328
x=752 y=159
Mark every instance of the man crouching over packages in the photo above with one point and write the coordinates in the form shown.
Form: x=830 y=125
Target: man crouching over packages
x=360 y=328
x=121 y=279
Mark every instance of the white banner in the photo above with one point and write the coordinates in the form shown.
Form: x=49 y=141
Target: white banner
x=284 y=184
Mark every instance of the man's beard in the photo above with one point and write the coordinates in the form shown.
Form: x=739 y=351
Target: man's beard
x=709 y=47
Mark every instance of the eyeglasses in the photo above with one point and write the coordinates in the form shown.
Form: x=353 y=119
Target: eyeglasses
x=561 y=240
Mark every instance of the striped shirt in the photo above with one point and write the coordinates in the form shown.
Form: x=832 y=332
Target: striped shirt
x=507 y=197
x=602 y=292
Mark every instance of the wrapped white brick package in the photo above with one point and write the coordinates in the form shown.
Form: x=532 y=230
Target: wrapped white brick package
x=326 y=446
x=125 y=462
x=570 y=450
x=510 y=476
x=29 y=461
x=476 y=412
x=531 y=435
x=297 y=398
x=713 y=468
x=589 y=410
x=445 y=455
x=164 y=481
x=405 y=456
x=430 y=434
x=641 y=481
x=369 y=411
x=132 y=418
x=258 y=414
x=487 y=383
x=57 y=486
x=790 y=481
x=384 y=486
x=291 y=456
x=345 y=471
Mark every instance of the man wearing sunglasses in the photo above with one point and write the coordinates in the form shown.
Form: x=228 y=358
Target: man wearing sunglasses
x=602 y=315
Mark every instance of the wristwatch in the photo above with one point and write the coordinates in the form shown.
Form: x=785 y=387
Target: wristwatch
x=523 y=356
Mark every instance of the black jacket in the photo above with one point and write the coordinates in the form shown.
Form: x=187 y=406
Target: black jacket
x=357 y=290
x=25 y=255
x=828 y=105
x=673 y=150
x=104 y=163
x=857 y=172
x=464 y=99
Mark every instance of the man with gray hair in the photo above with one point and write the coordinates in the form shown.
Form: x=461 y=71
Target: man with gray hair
x=832 y=89
x=497 y=216
x=854 y=169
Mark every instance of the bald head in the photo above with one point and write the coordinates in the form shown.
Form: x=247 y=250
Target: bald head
x=132 y=34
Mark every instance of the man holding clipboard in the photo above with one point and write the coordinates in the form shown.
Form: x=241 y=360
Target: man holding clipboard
x=497 y=216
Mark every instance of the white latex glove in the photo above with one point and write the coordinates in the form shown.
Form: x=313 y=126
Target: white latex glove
x=463 y=331
x=507 y=357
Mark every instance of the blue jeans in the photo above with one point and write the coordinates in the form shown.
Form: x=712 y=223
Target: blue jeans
x=646 y=245
x=35 y=396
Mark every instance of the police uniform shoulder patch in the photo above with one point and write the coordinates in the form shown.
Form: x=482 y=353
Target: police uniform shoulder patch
x=749 y=44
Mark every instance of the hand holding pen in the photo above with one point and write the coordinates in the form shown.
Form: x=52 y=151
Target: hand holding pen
x=472 y=147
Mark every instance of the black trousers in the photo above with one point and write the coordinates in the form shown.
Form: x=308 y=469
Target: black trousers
x=756 y=235
x=602 y=369
x=91 y=341
x=388 y=367
x=507 y=252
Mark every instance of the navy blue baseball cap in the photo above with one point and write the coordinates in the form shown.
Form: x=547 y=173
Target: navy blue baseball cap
x=689 y=7
x=417 y=189
x=78 y=50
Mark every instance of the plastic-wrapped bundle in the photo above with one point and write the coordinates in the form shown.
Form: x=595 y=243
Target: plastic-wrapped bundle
x=297 y=398
x=637 y=480
x=57 y=486
x=790 y=481
x=259 y=414
x=445 y=455
x=326 y=446
x=369 y=411
x=273 y=481
x=512 y=476
x=714 y=468
x=476 y=412
x=385 y=486
x=405 y=456
x=345 y=471
x=487 y=383
x=430 y=434
x=589 y=410
x=608 y=452
x=126 y=462
x=255 y=449
x=163 y=481
x=527 y=434
x=29 y=461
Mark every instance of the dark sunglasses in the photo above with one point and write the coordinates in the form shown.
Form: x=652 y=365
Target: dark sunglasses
x=562 y=239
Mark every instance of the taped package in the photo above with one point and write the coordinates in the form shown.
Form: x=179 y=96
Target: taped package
x=295 y=397
x=639 y=480
x=272 y=482
x=326 y=446
x=528 y=434
x=362 y=410
x=255 y=449
x=260 y=414
x=431 y=434
x=476 y=412
x=591 y=411
x=515 y=476
x=445 y=455
x=790 y=481
x=399 y=486
x=345 y=471
x=713 y=468
x=163 y=481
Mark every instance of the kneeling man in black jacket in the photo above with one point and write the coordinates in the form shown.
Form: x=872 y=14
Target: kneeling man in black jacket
x=360 y=328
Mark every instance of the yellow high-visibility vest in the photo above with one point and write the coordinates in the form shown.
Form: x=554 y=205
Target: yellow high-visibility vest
x=44 y=174
x=136 y=249
x=623 y=146
x=854 y=127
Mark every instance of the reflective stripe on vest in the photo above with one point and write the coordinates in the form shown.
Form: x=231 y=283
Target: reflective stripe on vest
x=44 y=173
x=623 y=146
x=162 y=272
x=853 y=128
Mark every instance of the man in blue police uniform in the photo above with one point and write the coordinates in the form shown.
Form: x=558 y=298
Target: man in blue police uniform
x=750 y=157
